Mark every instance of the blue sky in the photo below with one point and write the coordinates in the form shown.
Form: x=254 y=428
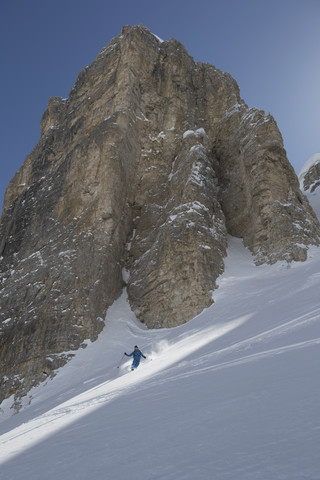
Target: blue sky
x=271 y=48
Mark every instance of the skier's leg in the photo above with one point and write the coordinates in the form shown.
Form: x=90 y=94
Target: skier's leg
x=135 y=363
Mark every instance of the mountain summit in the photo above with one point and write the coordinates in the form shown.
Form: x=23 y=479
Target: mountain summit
x=136 y=181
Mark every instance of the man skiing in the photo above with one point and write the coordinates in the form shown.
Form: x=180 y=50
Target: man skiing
x=136 y=354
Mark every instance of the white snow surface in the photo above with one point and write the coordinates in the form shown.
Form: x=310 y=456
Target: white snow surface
x=158 y=38
x=233 y=394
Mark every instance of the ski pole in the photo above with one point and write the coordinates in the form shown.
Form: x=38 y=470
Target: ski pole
x=121 y=360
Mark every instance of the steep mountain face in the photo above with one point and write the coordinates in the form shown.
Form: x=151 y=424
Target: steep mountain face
x=137 y=179
x=309 y=178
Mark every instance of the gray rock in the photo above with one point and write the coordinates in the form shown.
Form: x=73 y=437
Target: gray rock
x=311 y=179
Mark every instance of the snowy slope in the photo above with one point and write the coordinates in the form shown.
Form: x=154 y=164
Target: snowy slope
x=233 y=394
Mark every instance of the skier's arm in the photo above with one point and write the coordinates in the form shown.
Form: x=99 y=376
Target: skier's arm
x=128 y=354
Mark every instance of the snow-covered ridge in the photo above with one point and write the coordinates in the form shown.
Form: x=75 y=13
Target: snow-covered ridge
x=158 y=38
x=313 y=192
x=314 y=160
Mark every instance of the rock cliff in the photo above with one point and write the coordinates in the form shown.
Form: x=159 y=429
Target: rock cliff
x=137 y=179
x=309 y=178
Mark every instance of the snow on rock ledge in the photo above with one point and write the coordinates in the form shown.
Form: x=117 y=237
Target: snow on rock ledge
x=309 y=179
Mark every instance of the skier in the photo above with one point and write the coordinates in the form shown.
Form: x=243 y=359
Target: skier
x=136 y=354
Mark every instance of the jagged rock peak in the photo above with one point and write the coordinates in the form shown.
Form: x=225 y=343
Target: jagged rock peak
x=137 y=180
x=309 y=176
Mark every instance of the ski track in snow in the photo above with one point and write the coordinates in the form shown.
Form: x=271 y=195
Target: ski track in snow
x=240 y=379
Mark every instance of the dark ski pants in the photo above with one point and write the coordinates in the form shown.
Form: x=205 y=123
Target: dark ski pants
x=135 y=363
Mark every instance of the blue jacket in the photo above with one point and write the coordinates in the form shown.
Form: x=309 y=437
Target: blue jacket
x=136 y=354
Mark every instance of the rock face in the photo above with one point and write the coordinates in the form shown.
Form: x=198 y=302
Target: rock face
x=309 y=178
x=310 y=175
x=144 y=170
